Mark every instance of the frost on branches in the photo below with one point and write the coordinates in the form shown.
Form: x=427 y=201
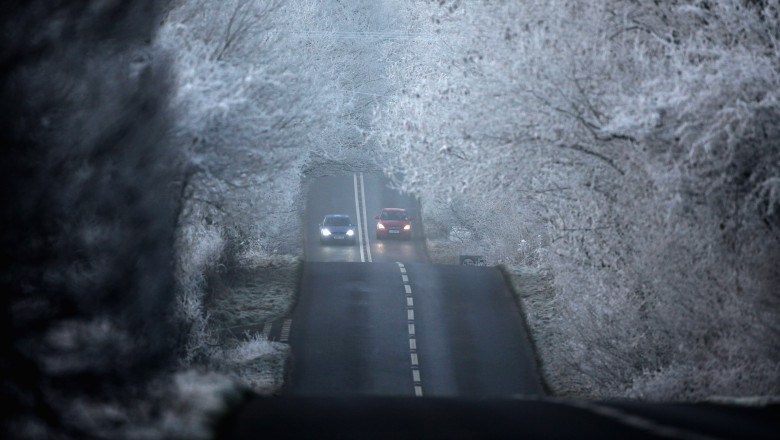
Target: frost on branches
x=635 y=145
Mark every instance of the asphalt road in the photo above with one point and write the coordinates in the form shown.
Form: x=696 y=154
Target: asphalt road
x=373 y=319
x=386 y=346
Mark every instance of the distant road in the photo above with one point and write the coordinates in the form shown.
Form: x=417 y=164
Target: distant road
x=375 y=319
x=362 y=197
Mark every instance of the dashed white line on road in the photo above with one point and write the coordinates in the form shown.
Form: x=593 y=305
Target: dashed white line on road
x=416 y=380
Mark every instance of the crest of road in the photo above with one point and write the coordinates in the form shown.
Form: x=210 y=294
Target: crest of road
x=375 y=319
x=386 y=345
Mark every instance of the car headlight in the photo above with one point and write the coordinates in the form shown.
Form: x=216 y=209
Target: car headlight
x=350 y=232
x=380 y=226
x=325 y=232
x=407 y=227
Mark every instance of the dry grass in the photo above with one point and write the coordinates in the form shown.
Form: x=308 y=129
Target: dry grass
x=536 y=294
x=443 y=251
x=253 y=294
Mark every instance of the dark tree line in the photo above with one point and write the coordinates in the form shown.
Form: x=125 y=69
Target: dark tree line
x=87 y=208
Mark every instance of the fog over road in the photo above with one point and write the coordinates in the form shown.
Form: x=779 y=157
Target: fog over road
x=375 y=319
x=343 y=195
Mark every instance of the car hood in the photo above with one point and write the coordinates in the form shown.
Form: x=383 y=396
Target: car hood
x=339 y=228
x=394 y=222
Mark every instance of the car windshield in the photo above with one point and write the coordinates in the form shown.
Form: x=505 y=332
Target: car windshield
x=394 y=215
x=336 y=221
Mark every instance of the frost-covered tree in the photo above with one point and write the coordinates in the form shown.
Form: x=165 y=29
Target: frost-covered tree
x=636 y=142
x=264 y=91
x=245 y=112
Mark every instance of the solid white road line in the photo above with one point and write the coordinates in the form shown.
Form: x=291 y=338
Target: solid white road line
x=365 y=218
x=357 y=211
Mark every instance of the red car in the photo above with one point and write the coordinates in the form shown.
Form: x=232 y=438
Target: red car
x=394 y=222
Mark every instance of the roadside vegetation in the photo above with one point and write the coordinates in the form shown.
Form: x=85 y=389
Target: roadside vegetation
x=266 y=93
x=629 y=148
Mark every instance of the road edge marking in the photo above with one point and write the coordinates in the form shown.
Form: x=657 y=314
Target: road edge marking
x=284 y=336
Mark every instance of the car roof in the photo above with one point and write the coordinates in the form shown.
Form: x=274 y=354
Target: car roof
x=394 y=209
x=336 y=215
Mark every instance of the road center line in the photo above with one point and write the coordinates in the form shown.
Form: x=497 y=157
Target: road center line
x=413 y=357
x=365 y=217
x=357 y=213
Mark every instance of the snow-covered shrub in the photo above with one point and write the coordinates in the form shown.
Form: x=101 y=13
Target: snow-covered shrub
x=199 y=251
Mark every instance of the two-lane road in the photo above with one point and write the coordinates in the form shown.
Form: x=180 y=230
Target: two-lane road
x=377 y=332
x=375 y=319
